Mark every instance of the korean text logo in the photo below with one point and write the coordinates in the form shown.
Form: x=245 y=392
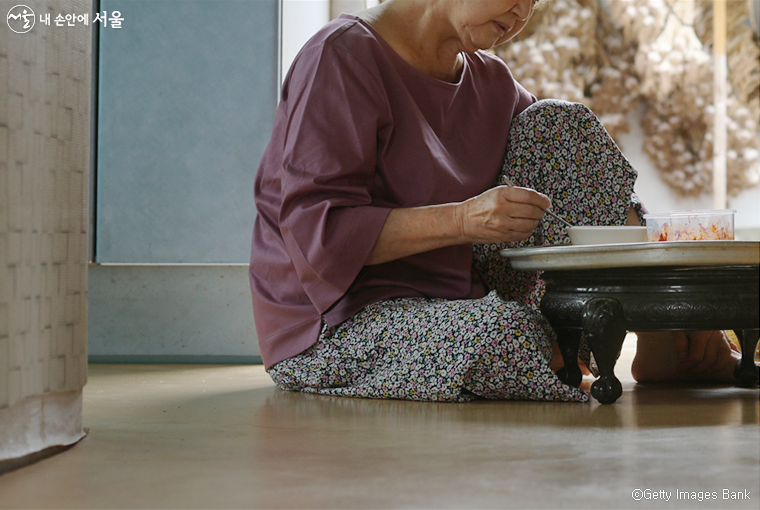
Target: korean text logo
x=20 y=19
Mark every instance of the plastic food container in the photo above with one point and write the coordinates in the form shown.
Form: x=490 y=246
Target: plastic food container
x=697 y=225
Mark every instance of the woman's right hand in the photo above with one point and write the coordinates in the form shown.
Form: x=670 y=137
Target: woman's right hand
x=499 y=215
x=502 y=214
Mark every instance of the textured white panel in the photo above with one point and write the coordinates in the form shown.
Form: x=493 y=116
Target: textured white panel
x=39 y=422
x=44 y=170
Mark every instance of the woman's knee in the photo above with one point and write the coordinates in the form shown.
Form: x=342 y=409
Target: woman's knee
x=557 y=106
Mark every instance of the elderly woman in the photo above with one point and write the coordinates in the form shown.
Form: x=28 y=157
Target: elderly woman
x=383 y=202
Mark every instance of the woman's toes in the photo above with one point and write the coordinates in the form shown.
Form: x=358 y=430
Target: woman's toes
x=678 y=356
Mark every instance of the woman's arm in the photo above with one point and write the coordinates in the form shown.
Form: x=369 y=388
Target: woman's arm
x=498 y=215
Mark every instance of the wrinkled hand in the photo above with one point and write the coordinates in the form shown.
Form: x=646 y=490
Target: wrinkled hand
x=502 y=214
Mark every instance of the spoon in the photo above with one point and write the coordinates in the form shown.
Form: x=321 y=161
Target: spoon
x=564 y=222
x=546 y=211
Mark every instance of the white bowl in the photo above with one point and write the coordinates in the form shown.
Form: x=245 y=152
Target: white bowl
x=607 y=235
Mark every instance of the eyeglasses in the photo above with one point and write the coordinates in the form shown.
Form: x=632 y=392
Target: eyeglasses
x=533 y=5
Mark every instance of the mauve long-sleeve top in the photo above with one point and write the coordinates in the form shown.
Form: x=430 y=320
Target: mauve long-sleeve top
x=359 y=132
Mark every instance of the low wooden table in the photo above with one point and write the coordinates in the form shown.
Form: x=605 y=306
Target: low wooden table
x=604 y=291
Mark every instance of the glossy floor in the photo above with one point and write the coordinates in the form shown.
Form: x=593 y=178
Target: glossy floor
x=225 y=437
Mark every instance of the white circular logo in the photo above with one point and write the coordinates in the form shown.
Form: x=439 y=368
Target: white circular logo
x=20 y=19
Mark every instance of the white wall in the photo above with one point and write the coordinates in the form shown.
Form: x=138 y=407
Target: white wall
x=300 y=20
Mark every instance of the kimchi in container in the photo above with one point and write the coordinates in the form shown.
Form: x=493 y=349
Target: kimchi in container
x=697 y=225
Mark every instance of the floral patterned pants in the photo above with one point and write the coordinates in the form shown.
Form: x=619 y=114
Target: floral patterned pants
x=499 y=346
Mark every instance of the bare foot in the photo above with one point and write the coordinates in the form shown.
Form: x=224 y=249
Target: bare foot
x=706 y=356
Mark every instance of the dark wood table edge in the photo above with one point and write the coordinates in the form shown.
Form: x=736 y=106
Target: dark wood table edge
x=604 y=304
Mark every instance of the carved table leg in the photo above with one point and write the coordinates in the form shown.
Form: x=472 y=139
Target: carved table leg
x=604 y=326
x=746 y=371
x=569 y=341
